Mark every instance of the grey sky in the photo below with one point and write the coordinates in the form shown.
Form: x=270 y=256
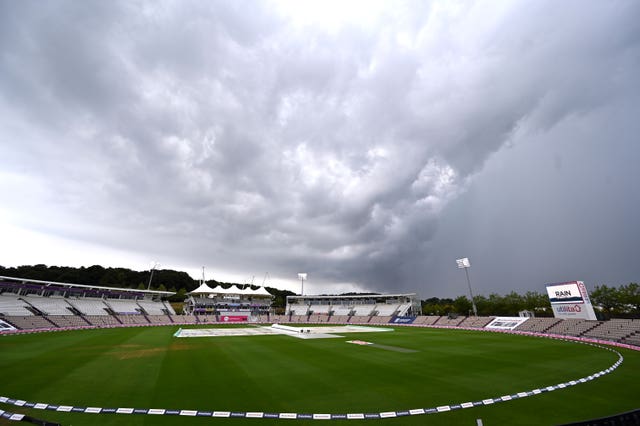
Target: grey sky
x=368 y=144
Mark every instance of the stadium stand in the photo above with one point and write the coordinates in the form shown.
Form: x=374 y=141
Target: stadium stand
x=48 y=305
x=377 y=319
x=339 y=319
x=427 y=320
x=132 y=319
x=476 y=322
x=125 y=307
x=538 y=325
x=363 y=310
x=385 y=310
x=152 y=308
x=12 y=305
x=300 y=310
x=451 y=322
x=618 y=330
x=318 y=318
x=89 y=306
x=404 y=309
x=31 y=322
x=69 y=321
x=103 y=320
x=573 y=327
x=299 y=318
x=276 y=319
x=160 y=319
x=184 y=319
x=342 y=310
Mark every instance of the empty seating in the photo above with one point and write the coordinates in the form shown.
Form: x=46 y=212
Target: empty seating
x=427 y=320
x=320 y=309
x=537 y=325
x=476 y=322
x=363 y=310
x=89 y=306
x=31 y=322
x=49 y=305
x=159 y=319
x=341 y=310
x=454 y=322
x=339 y=319
x=132 y=319
x=378 y=319
x=103 y=320
x=123 y=306
x=318 y=318
x=299 y=318
x=299 y=309
x=184 y=319
x=11 y=305
x=152 y=308
x=403 y=309
x=618 y=330
x=169 y=308
x=63 y=321
x=386 y=309
x=572 y=327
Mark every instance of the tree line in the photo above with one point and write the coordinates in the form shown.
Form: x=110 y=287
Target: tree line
x=608 y=301
x=163 y=279
x=622 y=301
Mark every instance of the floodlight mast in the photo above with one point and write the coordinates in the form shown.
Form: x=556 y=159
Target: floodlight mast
x=154 y=265
x=465 y=264
x=302 y=276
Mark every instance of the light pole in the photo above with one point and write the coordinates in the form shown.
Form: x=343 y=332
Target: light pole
x=154 y=265
x=302 y=276
x=465 y=264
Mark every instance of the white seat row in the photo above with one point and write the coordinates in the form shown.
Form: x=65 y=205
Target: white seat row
x=10 y=305
x=123 y=306
x=49 y=305
x=386 y=310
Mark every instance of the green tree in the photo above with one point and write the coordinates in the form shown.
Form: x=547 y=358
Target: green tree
x=607 y=298
x=462 y=305
x=630 y=297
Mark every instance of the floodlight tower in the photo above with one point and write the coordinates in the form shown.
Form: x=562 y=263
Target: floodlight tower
x=465 y=264
x=302 y=276
x=154 y=265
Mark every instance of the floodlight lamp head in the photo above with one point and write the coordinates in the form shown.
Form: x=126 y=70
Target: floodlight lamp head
x=463 y=263
x=302 y=276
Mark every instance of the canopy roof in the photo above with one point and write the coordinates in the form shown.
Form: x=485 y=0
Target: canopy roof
x=205 y=289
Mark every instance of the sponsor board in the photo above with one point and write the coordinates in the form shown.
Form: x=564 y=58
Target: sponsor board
x=506 y=323
x=570 y=300
x=233 y=318
x=359 y=342
x=402 y=320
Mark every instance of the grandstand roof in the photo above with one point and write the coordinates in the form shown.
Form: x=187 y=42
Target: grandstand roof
x=234 y=289
x=351 y=296
x=203 y=289
x=19 y=281
x=260 y=291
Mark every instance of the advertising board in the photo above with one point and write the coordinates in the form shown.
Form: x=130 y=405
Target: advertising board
x=570 y=300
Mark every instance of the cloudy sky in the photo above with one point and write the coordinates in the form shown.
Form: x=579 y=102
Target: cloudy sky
x=367 y=143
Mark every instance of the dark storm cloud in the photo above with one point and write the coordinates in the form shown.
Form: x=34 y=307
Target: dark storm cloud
x=229 y=134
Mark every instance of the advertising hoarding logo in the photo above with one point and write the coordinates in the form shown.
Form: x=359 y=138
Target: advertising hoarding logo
x=570 y=300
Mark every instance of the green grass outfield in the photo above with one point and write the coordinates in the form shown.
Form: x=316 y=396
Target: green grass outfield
x=149 y=368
